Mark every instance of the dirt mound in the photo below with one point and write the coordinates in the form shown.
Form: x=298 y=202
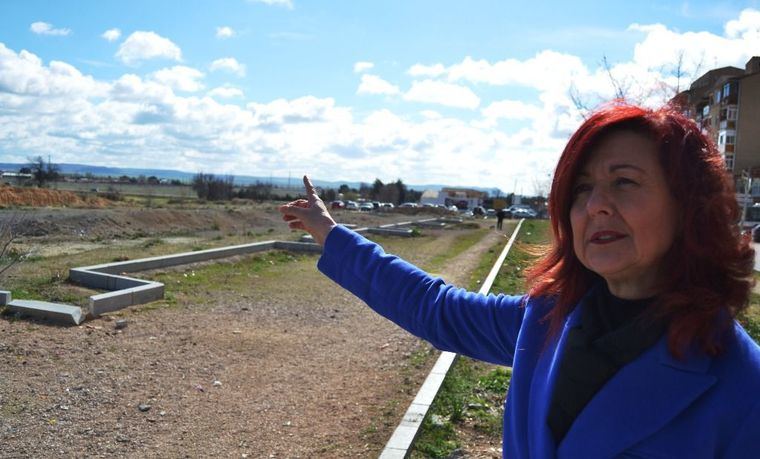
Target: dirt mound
x=41 y=197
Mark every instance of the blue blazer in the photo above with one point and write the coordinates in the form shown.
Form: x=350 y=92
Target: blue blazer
x=655 y=406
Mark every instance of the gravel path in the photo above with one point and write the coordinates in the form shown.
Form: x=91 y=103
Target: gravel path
x=292 y=367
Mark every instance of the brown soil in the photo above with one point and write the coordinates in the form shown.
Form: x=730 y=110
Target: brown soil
x=41 y=197
x=292 y=366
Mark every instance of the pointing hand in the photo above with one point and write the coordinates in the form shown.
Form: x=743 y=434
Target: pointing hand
x=309 y=214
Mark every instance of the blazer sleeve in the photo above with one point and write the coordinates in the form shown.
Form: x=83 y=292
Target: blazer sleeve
x=484 y=327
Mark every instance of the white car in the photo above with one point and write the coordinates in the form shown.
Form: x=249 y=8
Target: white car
x=351 y=205
x=409 y=204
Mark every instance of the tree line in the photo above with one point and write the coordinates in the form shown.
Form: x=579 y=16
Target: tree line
x=220 y=188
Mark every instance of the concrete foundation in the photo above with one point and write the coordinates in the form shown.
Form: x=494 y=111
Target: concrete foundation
x=126 y=291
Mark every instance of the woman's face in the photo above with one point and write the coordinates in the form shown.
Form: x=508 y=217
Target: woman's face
x=623 y=216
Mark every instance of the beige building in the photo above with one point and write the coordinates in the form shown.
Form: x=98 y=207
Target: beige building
x=461 y=197
x=726 y=103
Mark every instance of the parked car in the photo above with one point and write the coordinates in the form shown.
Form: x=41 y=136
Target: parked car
x=337 y=205
x=409 y=205
x=478 y=210
x=523 y=213
x=453 y=208
x=491 y=212
x=366 y=207
x=351 y=205
x=386 y=205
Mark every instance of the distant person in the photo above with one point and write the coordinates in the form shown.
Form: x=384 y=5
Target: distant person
x=500 y=214
x=625 y=344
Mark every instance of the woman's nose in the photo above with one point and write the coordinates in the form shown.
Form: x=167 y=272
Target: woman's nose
x=599 y=202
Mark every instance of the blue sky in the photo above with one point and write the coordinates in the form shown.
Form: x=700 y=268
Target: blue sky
x=461 y=93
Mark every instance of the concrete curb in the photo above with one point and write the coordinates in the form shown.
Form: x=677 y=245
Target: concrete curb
x=45 y=310
x=391 y=232
x=400 y=444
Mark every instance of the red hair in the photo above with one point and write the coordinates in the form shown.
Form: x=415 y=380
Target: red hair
x=710 y=263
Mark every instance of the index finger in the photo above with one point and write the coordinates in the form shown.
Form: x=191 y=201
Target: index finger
x=309 y=187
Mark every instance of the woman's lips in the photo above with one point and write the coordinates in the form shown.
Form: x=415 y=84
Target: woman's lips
x=606 y=237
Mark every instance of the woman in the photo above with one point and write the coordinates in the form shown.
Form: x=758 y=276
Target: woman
x=625 y=344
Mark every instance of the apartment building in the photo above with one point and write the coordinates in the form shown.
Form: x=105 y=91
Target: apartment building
x=726 y=104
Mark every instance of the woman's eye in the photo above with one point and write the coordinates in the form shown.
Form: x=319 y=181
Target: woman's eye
x=624 y=181
x=582 y=188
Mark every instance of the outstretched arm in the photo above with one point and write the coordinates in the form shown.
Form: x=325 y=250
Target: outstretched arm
x=309 y=214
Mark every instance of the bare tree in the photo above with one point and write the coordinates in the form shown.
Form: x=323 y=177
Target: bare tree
x=625 y=90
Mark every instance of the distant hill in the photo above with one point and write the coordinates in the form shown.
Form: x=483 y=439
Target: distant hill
x=102 y=171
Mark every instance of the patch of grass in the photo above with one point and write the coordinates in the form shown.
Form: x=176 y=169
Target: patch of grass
x=151 y=242
x=473 y=392
x=750 y=318
x=461 y=243
x=233 y=275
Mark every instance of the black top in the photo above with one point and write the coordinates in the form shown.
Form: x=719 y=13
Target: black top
x=612 y=333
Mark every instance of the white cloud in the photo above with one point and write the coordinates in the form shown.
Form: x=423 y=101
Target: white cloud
x=372 y=84
x=226 y=92
x=747 y=26
x=285 y=3
x=180 y=78
x=363 y=66
x=111 y=34
x=438 y=92
x=229 y=64
x=511 y=109
x=420 y=70
x=24 y=74
x=43 y=28
x=661 y=47
x=141 y=46
x=224 y=32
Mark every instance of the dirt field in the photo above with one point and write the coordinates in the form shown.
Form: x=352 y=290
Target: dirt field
x=256 y=356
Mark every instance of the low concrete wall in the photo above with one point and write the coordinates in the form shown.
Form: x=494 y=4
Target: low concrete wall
x=391 y=231
x=119 y=299
x=145 y=264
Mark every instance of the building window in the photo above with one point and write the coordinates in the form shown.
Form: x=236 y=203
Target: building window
x=726 y=89
x=717 y=96
x=731 y=115
x=730 y=162
x=722 y=138
x=706 y=111
x=730 y=139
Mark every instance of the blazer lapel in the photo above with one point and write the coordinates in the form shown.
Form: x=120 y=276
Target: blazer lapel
x=541 y=439
x=637 y=402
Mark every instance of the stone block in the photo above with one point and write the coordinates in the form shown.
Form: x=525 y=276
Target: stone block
x=5 y=297
x=65 y=313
